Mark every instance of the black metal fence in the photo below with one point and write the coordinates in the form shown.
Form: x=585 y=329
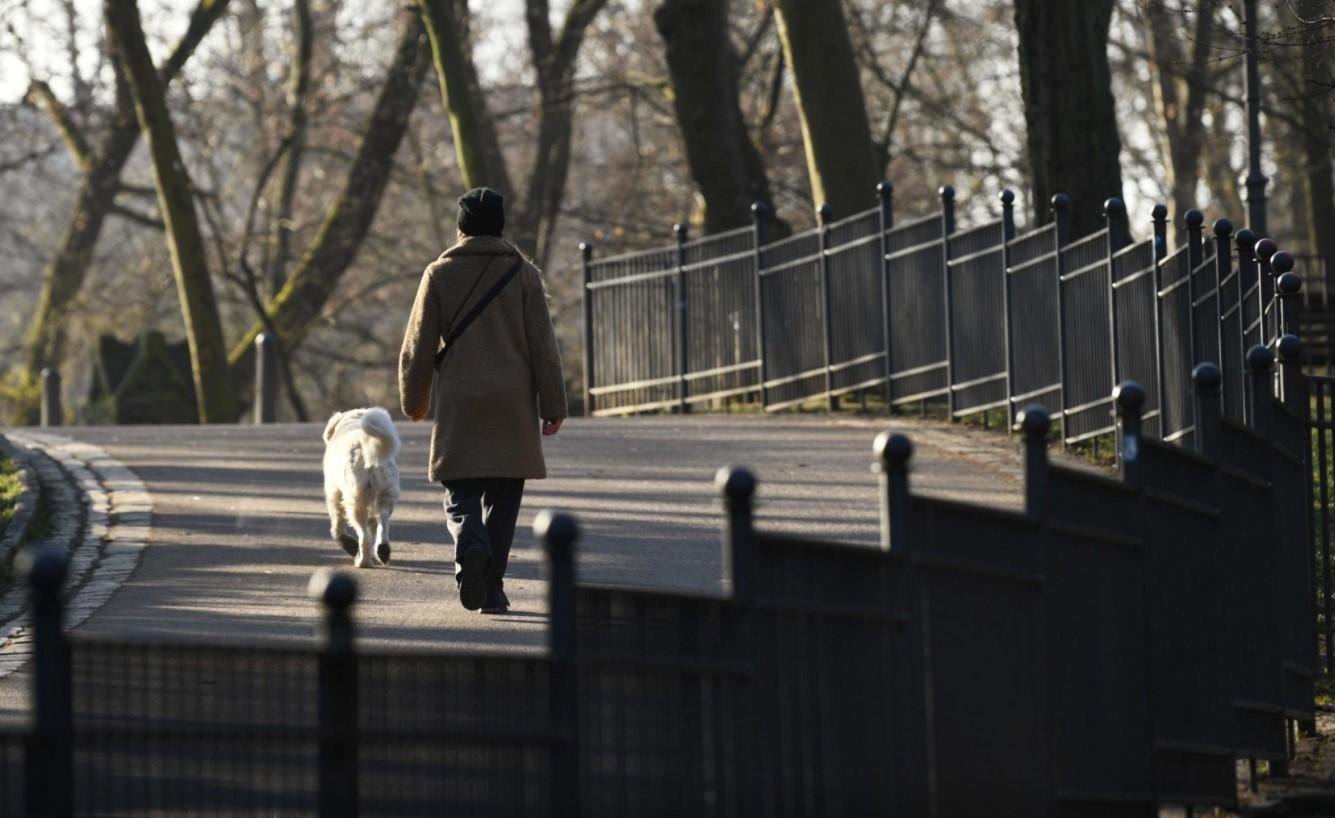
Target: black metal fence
x=980 y=318
x=1113 y=648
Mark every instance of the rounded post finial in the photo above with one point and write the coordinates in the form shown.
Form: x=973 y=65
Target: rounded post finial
x=45 y=568
x=1281 y=262
x=1113 y=206
x=1008 y=197
x=1194 y=218
x=1034 y=420
x=1265 y=249
x=556 y=530
x=892 y=448
x=884 y=188
x=586 y=250
x=1289 y=284
x=1260 y=358
x=680 y=231
x=334 y=589
x=947 y=193
x=1129 y=396
x=825 y=213
x=759 y=208
x=1290 y=349
x=736 y=483
x=1060 y=202
x=1223 y=228
x=1159 y=213
x=1207 y=378
x=1246 y=237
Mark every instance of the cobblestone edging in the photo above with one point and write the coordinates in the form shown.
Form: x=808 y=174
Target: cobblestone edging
x=102 y=517
x=26 y=505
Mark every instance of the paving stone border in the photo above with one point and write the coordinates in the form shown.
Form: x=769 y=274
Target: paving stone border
x=25 y=506
x=101 y=517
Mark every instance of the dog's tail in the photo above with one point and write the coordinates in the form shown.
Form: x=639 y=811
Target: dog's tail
x=382 y=440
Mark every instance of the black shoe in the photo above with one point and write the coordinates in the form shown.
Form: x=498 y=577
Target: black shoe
x=497 y=602
x=382 y=553
x=349 y=544
x=472 y=566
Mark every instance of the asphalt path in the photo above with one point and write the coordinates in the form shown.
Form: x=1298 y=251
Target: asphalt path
x=239 y=522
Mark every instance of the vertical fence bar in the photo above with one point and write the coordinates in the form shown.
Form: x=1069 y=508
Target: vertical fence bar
x=1265 y=291
x=1245 y=239
x=1061 y=215
x=52 y=414
x=1223 y=231
x=826 y=215
x=586 y=299
x=1207 y=384
x=558 y=533
x=49 y=763
x=1260 y=388
x=947 y=194
x=266 y=379
x=1293 y=384
x=885 y=193
x=683 y=321
x=1007 y=234
x=759 y=212
x=738 y=487
x=1321 y=425
x=1290 y=285
x=893 y=451
x=1158 y=252
x=1114 y=214
x=1036 y=423
x=337 y=696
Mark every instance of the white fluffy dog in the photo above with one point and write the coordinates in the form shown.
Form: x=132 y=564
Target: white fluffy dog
x=361 y=481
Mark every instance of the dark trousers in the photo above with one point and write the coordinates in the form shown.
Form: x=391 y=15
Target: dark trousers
x=481 y=513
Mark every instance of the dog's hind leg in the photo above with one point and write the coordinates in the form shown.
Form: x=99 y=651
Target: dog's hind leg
x=338 y=522
x=360 y=521
x=380 y=522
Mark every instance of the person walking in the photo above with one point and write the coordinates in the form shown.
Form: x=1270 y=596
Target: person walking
x=497 y=383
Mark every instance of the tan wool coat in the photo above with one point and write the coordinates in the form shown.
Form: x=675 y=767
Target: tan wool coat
x=502 y=378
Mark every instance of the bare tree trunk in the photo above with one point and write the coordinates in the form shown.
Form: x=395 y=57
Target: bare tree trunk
x=214 y=391
x=1179 y=90
x=348 y=219
x=724 y=161
x=99 y=185
x=280 y=239
x=1068 y=106
x=475 y=142
x=1318 y=191
x=841 y=159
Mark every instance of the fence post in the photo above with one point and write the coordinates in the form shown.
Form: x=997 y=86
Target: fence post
x=893 y=451
x=683 y=321
x=1195 y=256
x=1265 y=291
x=759 y=212
x=825 y=214
x=558 y=532
x=947 y=228
x=1245 y=239
x=1290 y=285
x=1260 y=387
x=266 y=379
x=1007 y=234
x=1207 y=384
x=52 y=414
x=1293 y=385
x=1036 y=423
x=1129 y=397
x=586 y=301
x=1158 y=252
x=738 y=487
x=1223 y=264
x=885 y=193
x=1114 y=214
x=1061 y=216
x=49 y=761
x=337 y=696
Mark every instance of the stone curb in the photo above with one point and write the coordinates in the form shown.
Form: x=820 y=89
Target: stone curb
x=26 y=505
x=102 y=516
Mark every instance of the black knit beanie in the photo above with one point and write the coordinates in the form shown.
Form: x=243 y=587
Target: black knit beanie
x=481 y=212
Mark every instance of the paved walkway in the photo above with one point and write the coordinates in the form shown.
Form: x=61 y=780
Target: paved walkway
x=238 y=522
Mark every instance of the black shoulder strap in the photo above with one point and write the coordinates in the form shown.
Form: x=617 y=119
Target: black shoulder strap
x=482 y=303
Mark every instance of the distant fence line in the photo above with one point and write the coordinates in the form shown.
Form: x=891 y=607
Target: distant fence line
x=1112 y=649
x=981 y=318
